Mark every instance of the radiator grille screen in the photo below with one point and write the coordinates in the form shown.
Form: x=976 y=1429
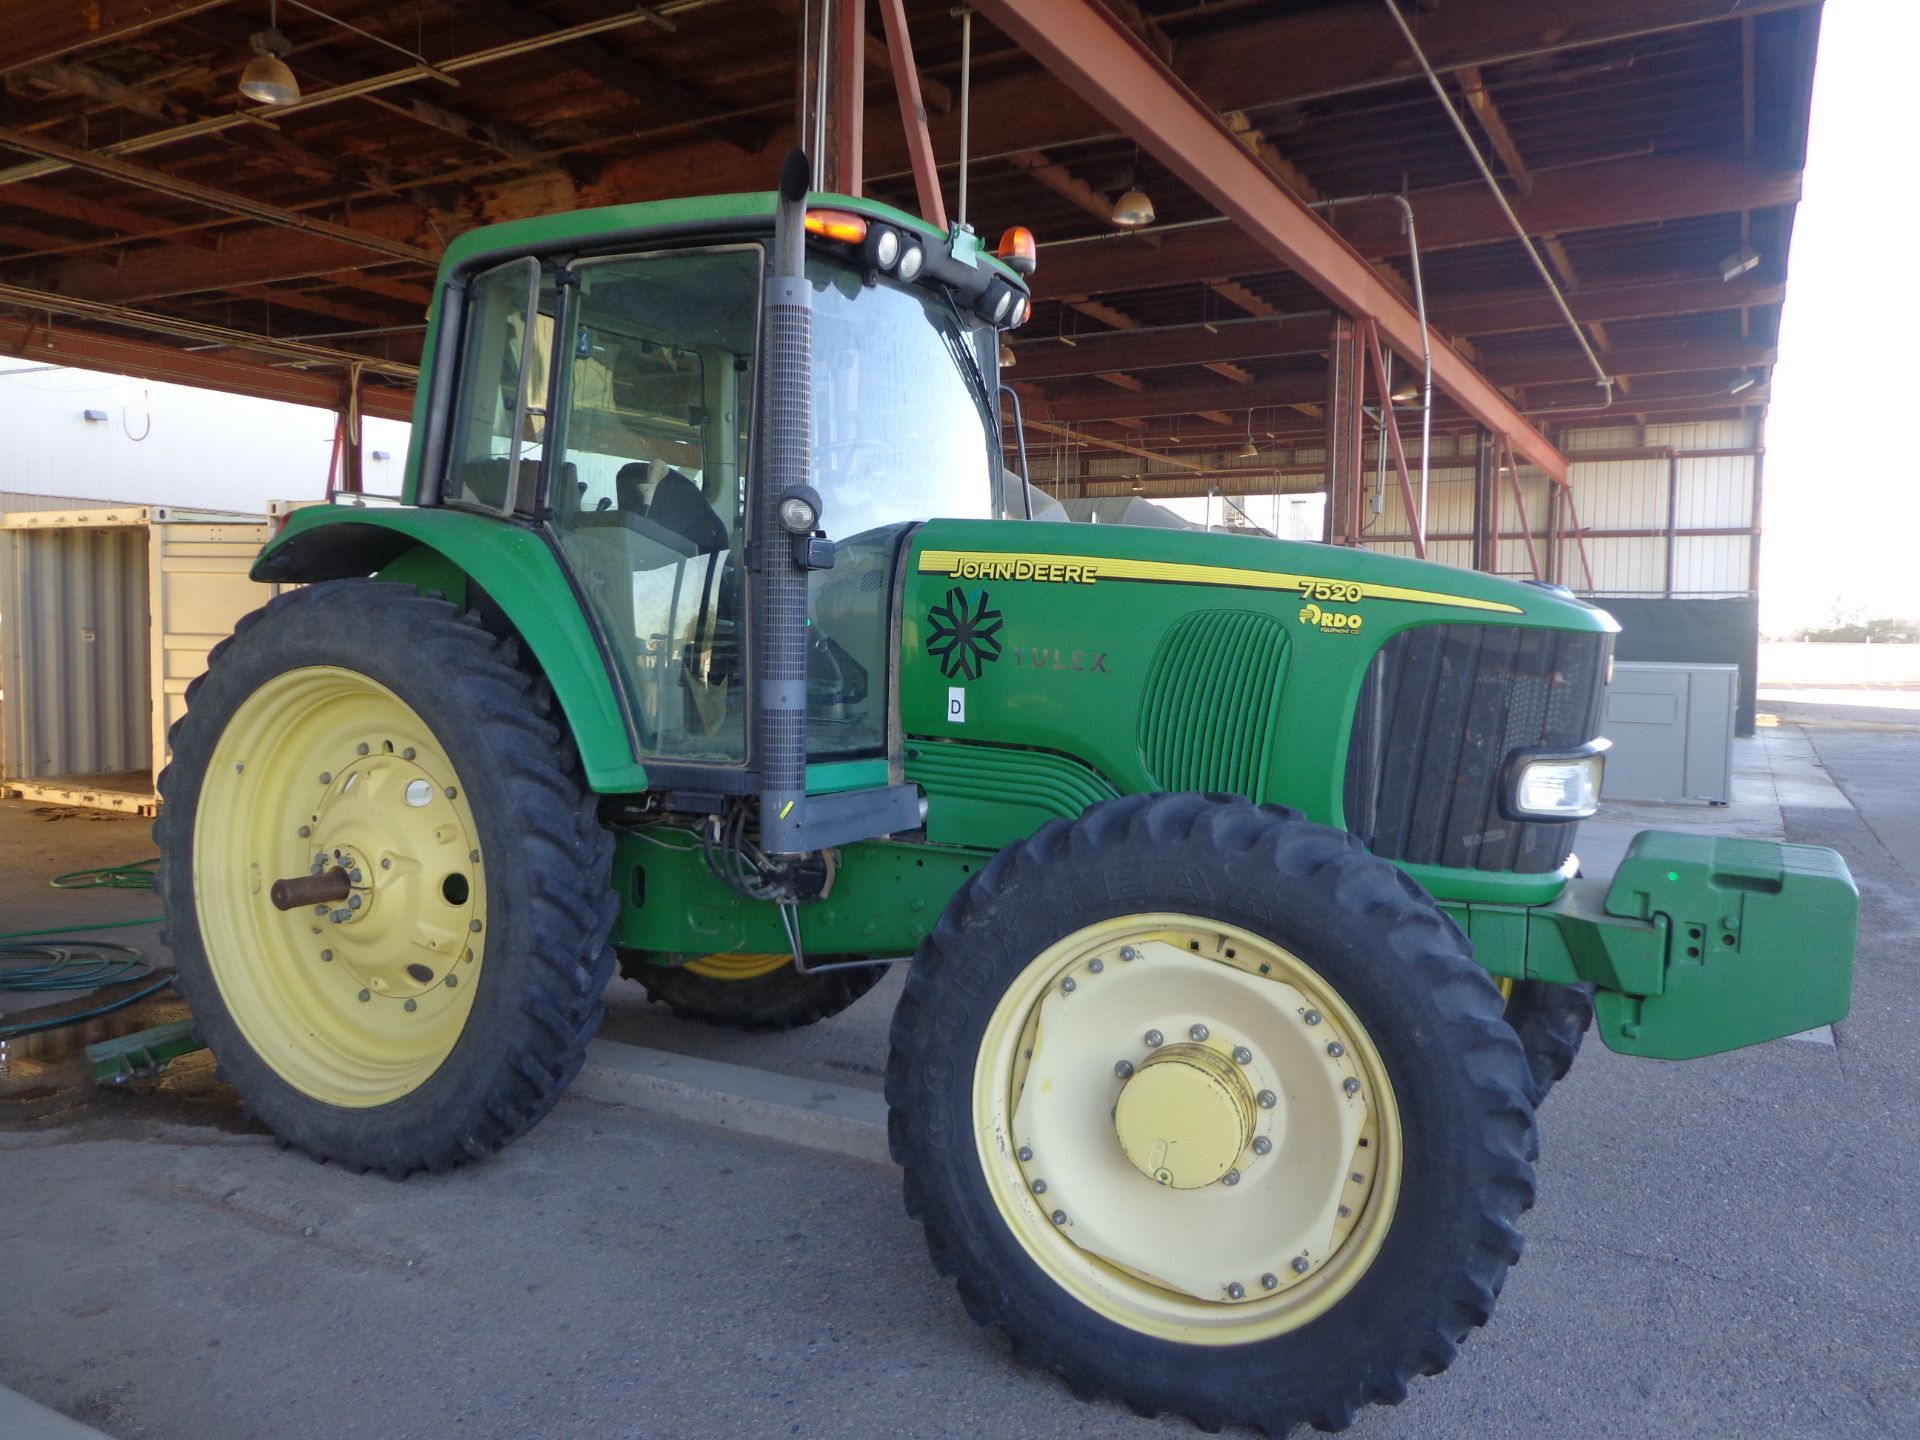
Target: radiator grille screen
x=1442 y=708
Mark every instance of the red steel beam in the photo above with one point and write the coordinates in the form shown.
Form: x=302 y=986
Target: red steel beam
x=1085 y=47
x=1416 y=522
x=233 y=372
x=913 y=113
x=846 y=136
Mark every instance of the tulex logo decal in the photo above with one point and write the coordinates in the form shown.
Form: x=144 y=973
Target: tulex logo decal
x=962 y=634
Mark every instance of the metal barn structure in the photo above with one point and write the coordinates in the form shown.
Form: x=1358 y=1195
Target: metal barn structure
x=1246 y=209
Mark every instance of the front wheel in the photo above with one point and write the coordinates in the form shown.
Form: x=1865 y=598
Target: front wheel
x=750 y=991
x=1212 y=1111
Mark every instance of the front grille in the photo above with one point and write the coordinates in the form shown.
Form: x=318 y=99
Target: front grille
x=1442 y=708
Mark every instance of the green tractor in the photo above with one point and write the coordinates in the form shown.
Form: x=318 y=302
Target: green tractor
x=713 y=640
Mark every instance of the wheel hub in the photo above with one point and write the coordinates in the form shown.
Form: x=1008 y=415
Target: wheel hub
x=1237 y=1166
x=1185 y=1115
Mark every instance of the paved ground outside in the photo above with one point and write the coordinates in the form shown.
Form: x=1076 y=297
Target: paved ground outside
x=1722 y=1248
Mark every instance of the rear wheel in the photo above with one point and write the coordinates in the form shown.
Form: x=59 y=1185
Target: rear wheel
x=1211 y=1110
x=750 y=991
x=359 y=732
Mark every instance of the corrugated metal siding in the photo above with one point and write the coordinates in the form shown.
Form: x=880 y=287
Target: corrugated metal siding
x=73 y=654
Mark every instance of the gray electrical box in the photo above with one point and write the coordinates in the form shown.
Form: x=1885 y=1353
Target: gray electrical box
x=1672 y=731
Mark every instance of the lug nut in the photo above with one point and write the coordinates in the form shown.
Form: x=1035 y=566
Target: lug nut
x=1096 y=966
x=452 y=980
x=1199 y=1032
x=474 y=926
x=305 y=831
x=1155 y=1039
x=1026 y=1153
x=1312 y=1017
x=1267 y=1099
x=386 y=864
x=326 y=777
x=474 y=855
x=366 y=995
x=326 y=955
x=1301 y=1265
x=410 y=1006
x=407 y=754
x=1127 y=952
x=1242 y=1055
x=1269 y=1282
x=1232 y=1177
x=340 y=916
x=1124 y=1069
x=353 y=902
x=1039 y=1187
x=1236 y=1291
x=354 y=877
x=1262 y=1145
x=1336 y=1049
x=1059 y=1217
x=1067 y=986
x=1352 y=1087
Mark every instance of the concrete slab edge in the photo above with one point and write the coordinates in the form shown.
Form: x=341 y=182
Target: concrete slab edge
x=838 y=1119
x=23 y=1419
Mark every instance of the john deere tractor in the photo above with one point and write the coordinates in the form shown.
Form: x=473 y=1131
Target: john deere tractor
x=713 y=640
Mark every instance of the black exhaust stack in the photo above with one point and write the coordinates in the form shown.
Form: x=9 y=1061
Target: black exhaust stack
x=786 y=551
x=786 y=451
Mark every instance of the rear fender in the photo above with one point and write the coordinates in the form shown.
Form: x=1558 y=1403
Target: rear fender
x=521 y=575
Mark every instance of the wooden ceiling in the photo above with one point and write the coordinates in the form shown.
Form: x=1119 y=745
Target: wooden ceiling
x=153 y=221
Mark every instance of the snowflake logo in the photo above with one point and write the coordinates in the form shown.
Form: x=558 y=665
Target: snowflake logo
x=963 y=633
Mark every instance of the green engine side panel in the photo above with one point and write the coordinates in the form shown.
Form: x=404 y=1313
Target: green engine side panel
x=519 y=573
x=886 y=896
x=1166 y=659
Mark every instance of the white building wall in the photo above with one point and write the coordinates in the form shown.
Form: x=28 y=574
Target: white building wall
x=162 y=444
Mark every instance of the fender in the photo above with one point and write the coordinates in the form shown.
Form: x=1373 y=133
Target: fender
x=523 y=577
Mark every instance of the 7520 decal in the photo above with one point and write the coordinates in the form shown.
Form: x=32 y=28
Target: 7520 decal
x=1339 y=592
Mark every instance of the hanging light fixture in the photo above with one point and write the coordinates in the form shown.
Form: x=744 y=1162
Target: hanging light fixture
x=1006 y=355
x=1133 y=209
x=267 y=80
x=1249 y=451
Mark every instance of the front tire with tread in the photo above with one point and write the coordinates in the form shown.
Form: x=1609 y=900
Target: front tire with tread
x=1457 y=1074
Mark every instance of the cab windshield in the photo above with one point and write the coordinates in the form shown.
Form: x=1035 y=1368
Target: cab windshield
x=902 y=428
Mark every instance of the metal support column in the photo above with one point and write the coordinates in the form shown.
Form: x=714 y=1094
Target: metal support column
x=1486 y=502
x=847 y=105
x=1346 y=383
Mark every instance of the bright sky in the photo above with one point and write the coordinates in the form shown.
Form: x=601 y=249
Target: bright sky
x=1841 y=506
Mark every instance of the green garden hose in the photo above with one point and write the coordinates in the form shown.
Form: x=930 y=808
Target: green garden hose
x=30 y=960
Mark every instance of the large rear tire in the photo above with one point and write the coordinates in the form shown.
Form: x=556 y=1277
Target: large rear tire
x=438 y=1010
x=750 y=991
x=1212 y=1111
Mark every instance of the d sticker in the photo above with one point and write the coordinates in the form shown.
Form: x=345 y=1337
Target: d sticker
x=957 y=704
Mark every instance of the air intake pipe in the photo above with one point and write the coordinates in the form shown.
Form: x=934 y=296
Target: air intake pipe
x=780 y=598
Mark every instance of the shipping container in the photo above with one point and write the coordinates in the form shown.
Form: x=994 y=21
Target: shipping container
x=106 y=616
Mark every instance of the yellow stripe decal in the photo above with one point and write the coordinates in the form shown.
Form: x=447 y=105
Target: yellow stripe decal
x=1088 y=569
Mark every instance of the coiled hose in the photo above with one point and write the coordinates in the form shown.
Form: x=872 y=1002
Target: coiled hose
x=32 y=960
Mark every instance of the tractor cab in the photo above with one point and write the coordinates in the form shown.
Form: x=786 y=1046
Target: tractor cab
x=611 y=393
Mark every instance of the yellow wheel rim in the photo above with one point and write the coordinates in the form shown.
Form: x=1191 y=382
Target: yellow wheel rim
x=1186 y=1127
x=355 y=1003
x=740 y=966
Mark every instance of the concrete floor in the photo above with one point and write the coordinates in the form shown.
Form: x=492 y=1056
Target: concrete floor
x=1723 y=1247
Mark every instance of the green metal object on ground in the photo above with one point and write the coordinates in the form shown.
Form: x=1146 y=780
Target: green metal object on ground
x=143 y=1054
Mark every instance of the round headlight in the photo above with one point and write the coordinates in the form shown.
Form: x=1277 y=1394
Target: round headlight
x=886 y=248
x=1002 y=306
x=798 y=515
x=911 y=259
x=1021 y=306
